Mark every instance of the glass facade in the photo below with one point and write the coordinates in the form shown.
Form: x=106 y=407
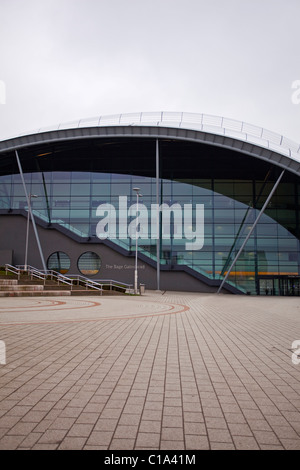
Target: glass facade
x=231 y=194
x=89 y=263
x=59 y=262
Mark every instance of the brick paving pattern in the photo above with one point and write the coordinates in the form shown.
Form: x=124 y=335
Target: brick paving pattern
x=172 y=371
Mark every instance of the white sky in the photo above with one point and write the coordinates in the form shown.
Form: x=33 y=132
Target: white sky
x=62 y=60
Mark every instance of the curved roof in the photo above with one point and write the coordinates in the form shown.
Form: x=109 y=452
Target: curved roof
x=213 y=130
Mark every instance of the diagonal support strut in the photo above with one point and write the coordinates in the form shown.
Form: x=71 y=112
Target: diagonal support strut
x=251 y=230
x=30 y=212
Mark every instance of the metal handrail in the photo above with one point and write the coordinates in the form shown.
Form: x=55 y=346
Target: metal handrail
x=69 y=280
x=13 y=269
x=117 y=283
x=94 y=285
x=77 y=277
x=33 y=272
x=85 y=281
x=42 y=274
x=111 y=282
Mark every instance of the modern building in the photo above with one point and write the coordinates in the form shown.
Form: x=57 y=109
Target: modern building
x=218 y=202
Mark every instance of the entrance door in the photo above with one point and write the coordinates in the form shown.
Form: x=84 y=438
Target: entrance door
x=289 y=286
x=266 y=287
x=281 y=285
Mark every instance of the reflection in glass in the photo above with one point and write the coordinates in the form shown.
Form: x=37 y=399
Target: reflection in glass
x=89 y=263
x=59 y=261
x=230 y=208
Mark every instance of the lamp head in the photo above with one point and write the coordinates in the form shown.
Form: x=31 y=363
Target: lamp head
x=137 y=190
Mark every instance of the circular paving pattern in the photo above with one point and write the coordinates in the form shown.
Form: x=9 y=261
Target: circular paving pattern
x=30 y=311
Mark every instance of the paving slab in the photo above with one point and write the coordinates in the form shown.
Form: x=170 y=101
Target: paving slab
x=165 y=370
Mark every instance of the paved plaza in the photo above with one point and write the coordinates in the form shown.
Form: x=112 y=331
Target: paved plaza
x=162 y=371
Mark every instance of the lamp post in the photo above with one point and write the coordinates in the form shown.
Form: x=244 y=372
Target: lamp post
x=138 y=194
x=27 y=229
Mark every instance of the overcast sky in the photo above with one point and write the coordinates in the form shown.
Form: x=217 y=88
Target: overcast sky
x=62 y=60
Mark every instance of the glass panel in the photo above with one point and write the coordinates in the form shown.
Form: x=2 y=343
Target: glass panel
x=89 y=263
x=61 y=189
x=5 y=192
x=72 y=198
x=80 y=189
x=59 y=261
x=61 y=177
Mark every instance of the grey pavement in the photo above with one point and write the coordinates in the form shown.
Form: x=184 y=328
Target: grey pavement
x=163 y=371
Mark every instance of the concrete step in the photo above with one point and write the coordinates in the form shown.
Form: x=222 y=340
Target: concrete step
x=56 y=287
x=18 y=287
x=85 y=292
x=8 y=282
x=13 y=291
x=25 y=286
x=5 y=276
x=95 y=292
x=34 y=293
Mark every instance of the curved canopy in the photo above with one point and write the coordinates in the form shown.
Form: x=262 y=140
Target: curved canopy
x=212 y=130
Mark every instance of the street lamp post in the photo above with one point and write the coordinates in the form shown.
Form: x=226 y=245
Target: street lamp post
x=27 y=229
x=137 y=190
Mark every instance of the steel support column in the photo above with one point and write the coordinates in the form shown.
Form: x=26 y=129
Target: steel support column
x=30 y=212
x=157 y=219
